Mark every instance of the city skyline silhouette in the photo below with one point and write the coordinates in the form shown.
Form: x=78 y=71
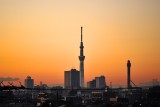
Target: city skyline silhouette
x=79 y=53
x=41 y=39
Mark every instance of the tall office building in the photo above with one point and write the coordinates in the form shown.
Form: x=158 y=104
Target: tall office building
x=81 y=59
x=71 y=79
x=128 y=74
x=100 y=82
x=91 y=84
x=67 y=79
x=29 y=82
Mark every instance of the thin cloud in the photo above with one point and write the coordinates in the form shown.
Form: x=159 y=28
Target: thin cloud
x=9 y=79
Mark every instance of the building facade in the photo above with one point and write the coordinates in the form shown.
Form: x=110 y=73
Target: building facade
x=91 y=84
x=98 y=82
x=72 y=79
x=29 y=82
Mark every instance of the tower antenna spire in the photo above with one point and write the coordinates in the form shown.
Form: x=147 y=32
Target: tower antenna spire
x=81 y=33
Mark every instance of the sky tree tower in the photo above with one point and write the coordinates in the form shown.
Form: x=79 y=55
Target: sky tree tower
x=81 y=59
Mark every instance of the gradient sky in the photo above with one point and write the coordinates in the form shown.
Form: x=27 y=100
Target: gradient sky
x=41 y=38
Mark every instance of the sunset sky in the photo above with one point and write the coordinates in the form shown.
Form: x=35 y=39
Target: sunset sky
x=41 y=38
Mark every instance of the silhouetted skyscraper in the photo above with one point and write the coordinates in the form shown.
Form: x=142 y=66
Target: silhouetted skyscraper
x=81 y=59
x=71 y=79
x=91 y=84
x=128 y=74
x=29 y=82
x=100 y=82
